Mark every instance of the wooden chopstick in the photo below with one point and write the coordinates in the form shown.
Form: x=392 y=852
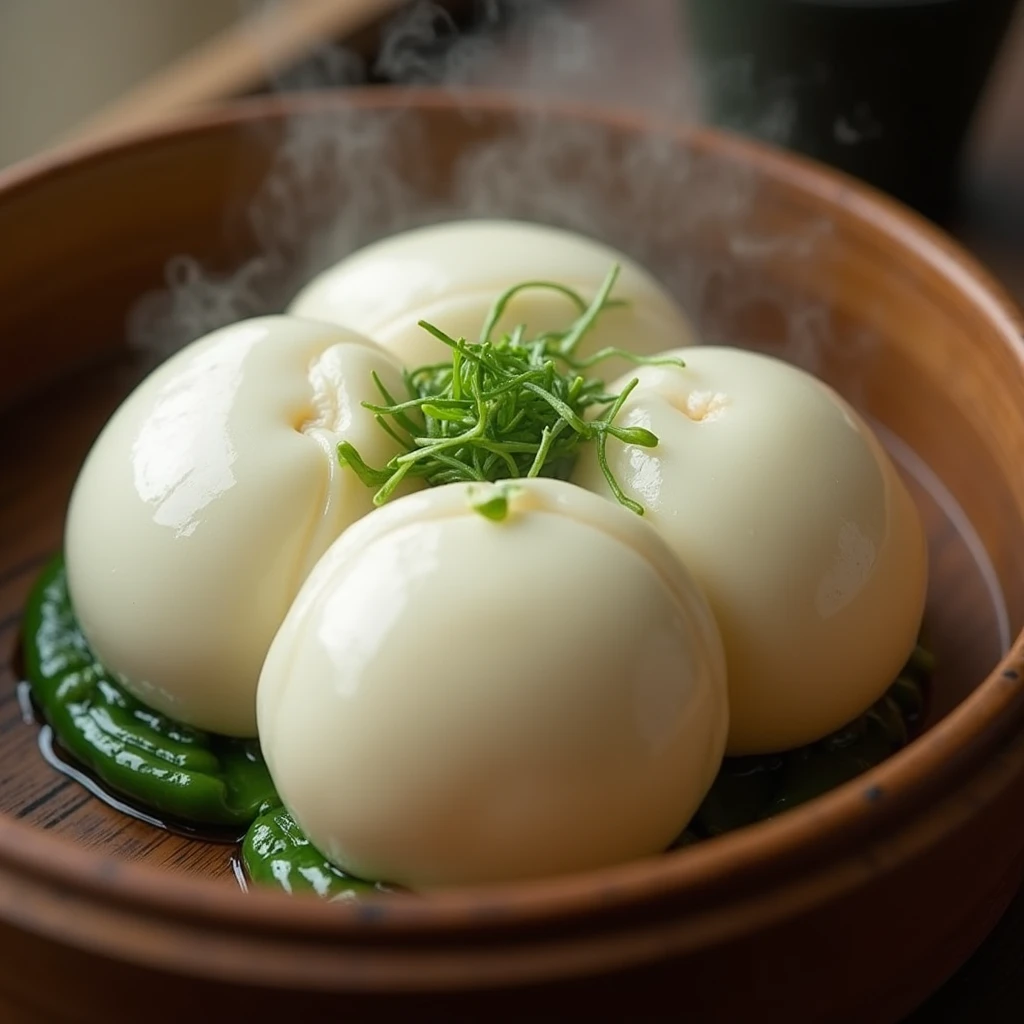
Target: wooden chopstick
x=237 y=61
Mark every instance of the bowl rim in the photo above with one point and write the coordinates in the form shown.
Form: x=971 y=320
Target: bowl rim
x=933 y=764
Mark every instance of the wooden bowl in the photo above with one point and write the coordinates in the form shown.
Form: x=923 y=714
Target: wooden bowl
x=851 y=908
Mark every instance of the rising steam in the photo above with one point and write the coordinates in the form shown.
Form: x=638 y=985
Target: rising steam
x=342 y=179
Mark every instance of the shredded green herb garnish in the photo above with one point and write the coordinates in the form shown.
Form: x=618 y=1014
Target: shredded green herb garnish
x=507 y=408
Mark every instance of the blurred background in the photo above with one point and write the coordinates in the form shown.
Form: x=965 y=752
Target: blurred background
x=61 y=61
x=923 y=98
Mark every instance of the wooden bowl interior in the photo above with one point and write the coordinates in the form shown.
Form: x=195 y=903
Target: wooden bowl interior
x=763 y=251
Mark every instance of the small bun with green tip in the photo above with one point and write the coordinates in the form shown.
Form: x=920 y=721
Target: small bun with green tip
x=487 y=682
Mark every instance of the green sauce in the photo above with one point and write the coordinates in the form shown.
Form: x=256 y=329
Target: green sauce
x=751 y=789
x=275 y=852
x=195 y=777
x=179 y=772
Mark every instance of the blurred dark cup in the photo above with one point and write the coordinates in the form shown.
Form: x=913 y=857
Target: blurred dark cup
x=883 y=89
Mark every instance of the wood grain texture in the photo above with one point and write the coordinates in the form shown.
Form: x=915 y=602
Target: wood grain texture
x=763 y=250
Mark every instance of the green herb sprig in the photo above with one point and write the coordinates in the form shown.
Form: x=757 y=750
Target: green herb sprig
x=505 y=409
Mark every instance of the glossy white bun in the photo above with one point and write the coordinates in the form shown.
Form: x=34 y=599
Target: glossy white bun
x=455 y=700
x=784 y=506
x=208 y=496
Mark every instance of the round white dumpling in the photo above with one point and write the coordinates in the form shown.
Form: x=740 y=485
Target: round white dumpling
x=454 y=699
x=206 y=500
x=783 y=504
x=450 y=275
